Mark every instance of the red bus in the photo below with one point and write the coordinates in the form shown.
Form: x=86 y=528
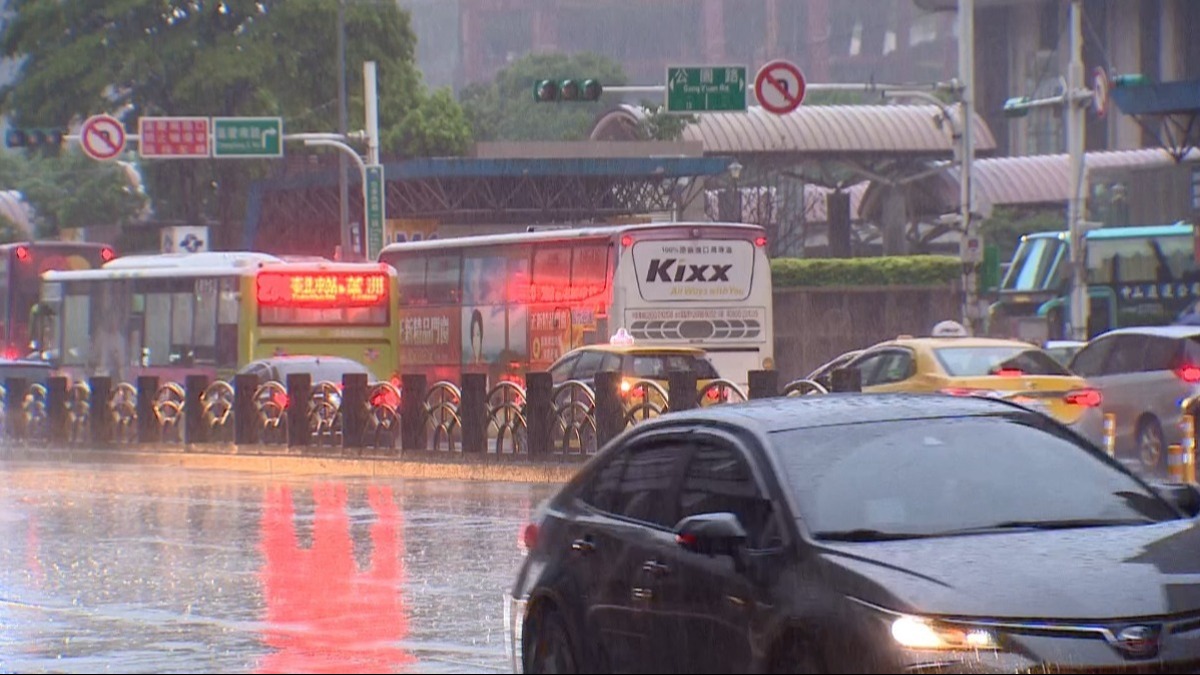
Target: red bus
x=21 y=267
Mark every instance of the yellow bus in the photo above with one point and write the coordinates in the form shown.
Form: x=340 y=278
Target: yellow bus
x=172 y=315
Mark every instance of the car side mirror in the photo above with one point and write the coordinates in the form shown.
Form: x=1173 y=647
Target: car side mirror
x=1185 y=496
x=711 y=534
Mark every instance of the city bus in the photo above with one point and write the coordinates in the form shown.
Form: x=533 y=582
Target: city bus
x=1137 y=276
x=21 y=266
x=509 y=303
x=212 y=313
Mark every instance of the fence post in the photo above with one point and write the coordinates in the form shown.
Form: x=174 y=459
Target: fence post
x=413 y=429
x=473 y=411
x=539 y=411
x=299 y=394
x=354 y=409
x=681 y=390
x=56 y=409
x=15 y=389
x=195 y=430
x=764 y=384
x=99 y=414
x=245 y=413
x=846 y=379
x=147 y=420
x=610 y=409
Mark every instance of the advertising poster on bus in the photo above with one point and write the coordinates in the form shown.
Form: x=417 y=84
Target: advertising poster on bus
x=429 y=337
x=494 y=334
x=697 y=269
x=549 y=335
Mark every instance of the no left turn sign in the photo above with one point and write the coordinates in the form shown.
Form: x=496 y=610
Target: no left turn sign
x=102 y=137
x=779 y=87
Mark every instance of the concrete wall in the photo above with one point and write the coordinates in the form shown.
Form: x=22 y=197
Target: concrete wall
x=813 y=325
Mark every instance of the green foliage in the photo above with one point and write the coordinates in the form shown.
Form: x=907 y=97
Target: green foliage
x=1005 y=227
x=659 y=125
x=234 y=58
x=71 y=190
x=913 y=270
x=504 y=110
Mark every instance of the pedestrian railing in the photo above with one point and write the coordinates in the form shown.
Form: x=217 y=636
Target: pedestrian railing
x=356 y=416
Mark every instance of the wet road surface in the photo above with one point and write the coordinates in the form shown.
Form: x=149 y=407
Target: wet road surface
x=140 y=569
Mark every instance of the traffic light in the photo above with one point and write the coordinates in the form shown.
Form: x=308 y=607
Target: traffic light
x=34 y=138
x=1131 y=80
x=587 y=91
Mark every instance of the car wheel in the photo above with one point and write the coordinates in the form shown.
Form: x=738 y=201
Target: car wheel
x=1150 y=443
x=550 y=647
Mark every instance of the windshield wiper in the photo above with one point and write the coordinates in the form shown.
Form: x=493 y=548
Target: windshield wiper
x=864 y=534
x=1063 y=524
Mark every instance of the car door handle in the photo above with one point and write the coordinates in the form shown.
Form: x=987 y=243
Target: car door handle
x=643 y=594
x=583 y=545
x=655 y=568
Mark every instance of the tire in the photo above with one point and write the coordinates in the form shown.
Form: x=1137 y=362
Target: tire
x=1150 y=444
x=550 y=649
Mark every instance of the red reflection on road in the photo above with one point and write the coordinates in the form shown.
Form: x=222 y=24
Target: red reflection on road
x=322 y=614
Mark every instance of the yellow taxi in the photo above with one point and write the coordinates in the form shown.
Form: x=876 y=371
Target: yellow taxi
x=974 y=366
x=635 y=363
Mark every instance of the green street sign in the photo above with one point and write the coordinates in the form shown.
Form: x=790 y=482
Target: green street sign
x=247 y=137
x=701 y=89
x=373 y=193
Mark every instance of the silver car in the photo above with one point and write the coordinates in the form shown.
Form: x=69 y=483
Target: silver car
x=1144 y=374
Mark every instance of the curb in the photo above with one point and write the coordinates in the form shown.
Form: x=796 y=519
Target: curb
x=420 y=465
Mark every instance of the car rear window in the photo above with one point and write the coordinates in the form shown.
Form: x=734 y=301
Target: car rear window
x=982 y=361
x=656 y=366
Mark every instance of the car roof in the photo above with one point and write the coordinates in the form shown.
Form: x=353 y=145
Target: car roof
x=939 y=342
x=1160 y=331
x=639 y=349
x=801 y=412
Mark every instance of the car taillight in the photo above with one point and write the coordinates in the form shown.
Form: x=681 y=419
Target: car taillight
x=280 y=400
x=1009 y=372
x=626 y=387
x=1188 y=373
x=107 y=254
x=1088 y=398
x=529 y=536
x=760 y=242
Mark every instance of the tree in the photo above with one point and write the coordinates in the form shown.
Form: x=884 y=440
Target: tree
x=72 y=190
x=504 y=110
x=659 y=125
x=191 y=57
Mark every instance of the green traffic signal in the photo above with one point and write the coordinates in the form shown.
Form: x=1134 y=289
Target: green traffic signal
x=33 y=138
x=545 y=91
x=1130 y=80
x=1016 y=107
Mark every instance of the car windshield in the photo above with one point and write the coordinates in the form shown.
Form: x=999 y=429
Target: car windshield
x=656 y=366
x=981 y=361
x=939 y=477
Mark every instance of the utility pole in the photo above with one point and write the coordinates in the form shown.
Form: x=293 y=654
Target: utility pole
x=1074 y=102
x=348 y=252
x=970 y=248
x=1075 y=113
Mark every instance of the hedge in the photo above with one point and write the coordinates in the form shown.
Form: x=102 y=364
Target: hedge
x=909 y=270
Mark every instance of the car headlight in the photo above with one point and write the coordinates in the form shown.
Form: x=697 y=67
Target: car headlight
x=918 y=633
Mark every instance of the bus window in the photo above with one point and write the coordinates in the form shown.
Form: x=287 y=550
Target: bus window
x=484 y=279
x=519 y=280
x=4 y=323
x=443 y=279
x=410 y=274
x=1033 y=266
x=551 y=274
x=157 y=337
x=1139 y=260
x=589 y=270
x=204 y=329
x=183 y=312
x=76 y=329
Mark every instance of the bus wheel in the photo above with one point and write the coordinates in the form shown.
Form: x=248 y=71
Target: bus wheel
x=1150 y=443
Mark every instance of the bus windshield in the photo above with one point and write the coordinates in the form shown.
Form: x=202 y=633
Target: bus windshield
x=1035 y=265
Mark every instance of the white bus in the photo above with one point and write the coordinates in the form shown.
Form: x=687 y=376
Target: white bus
x=506 y=304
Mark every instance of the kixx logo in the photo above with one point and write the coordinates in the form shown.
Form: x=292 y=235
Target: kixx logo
x=661 y=270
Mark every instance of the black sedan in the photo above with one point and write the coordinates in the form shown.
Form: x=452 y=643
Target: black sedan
x=859 y=533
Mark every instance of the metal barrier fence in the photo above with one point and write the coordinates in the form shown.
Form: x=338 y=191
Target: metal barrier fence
x=356 y=415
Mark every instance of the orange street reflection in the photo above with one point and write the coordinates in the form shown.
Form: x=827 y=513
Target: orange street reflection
x=323 y=615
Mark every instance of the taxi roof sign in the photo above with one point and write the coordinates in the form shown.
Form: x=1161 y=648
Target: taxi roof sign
x=621 y=338
x=949 y=329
